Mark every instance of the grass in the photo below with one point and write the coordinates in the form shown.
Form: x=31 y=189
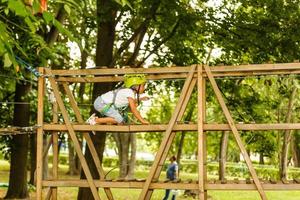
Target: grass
x=132 y=194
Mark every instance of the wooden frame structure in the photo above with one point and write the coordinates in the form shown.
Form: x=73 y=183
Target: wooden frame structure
x=195 y=75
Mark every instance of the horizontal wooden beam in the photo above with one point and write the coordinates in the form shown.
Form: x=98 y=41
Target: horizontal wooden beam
x=116 y=75
x=114 y=78
x=15 y=130
x=169 y=185
x=177 y=127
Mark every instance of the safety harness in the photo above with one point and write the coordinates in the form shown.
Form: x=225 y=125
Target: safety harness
x=122 y=110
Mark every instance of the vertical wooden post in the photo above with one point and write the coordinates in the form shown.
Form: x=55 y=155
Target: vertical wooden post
x=55 y=151
x=204 y=133
x=200 y=135
x=235 y=132
x=166 y=140
x=39 y=151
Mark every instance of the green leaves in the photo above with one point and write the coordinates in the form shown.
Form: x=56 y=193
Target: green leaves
x=124 y=3
x=7 y=61
x=18 y=7
x=48 y=17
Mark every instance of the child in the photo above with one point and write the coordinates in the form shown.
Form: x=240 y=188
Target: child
x=172 y=174
x=113 y=102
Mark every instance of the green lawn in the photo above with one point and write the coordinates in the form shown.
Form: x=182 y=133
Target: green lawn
x=126 y=194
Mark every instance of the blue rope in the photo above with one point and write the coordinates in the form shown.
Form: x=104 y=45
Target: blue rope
x=28 y=66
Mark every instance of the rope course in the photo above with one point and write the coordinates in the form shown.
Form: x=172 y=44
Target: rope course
x=194 y=76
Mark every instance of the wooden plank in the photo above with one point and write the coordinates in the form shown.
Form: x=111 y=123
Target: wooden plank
x=204 y=134
x=177 y=127
x=48 y=194
x=39 y=151
x=235 y=133
x=114 y=78
x=167 y=135
x=55 y=150
x=88 y=139
x=169 y=185
x=255 y=69
x=73 y=136
x=200 y=120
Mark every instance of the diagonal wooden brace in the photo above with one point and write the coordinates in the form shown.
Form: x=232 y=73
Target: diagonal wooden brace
x=172 y=136
x=235 y=133
x=88 y=139
x=73 y=136
x=166 y=142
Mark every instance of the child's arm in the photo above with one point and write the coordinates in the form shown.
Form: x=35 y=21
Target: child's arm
x=135 y=112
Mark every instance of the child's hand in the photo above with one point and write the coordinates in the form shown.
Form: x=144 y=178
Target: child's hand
x=145 y=98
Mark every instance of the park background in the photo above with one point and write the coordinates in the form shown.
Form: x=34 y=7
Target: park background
x=79 y=34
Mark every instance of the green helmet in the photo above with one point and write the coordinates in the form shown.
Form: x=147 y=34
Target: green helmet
x=134 y=79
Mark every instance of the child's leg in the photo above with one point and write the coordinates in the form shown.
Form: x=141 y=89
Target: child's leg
x=106 y=120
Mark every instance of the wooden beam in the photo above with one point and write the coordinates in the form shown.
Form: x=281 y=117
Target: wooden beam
x=55 y=150
x=200 y=135
x=235 y=133
x=204 y=134
x=167 y=135
x=169 y=185
x=254 y=69
x=39 y=151
x=73 y=137
x=88 y=139
x=113 y=78
x=177 y=127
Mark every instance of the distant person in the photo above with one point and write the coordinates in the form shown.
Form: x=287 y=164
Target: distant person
x=113 y=104
x=172 y=174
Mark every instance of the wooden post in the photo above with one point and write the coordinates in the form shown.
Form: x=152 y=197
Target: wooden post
x=73 y=137
x=55 y=151
x=235 y=132
x=167 y=135
x=204 y=133
x=200 y=135
x=39 y=151
x=88 y=140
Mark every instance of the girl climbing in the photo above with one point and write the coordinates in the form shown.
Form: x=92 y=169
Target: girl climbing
x=113 y=103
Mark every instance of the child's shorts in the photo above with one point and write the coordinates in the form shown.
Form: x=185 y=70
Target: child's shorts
x=99 y=105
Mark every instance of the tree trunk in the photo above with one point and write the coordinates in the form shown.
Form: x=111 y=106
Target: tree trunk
x=123 y=157
x=45 y=159
x=106 y=14
x=32 y=158
x=180 y=147
x=261 y=158
x=18 y=165
x=53 y=33
x=286 y=138
x=223 y=155
x=295 y=148
x=71 y=154
x=132 y=160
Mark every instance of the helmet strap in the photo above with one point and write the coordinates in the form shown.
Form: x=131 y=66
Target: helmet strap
x=138 y=95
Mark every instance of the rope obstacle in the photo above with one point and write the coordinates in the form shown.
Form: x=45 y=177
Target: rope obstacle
x=195 y=76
